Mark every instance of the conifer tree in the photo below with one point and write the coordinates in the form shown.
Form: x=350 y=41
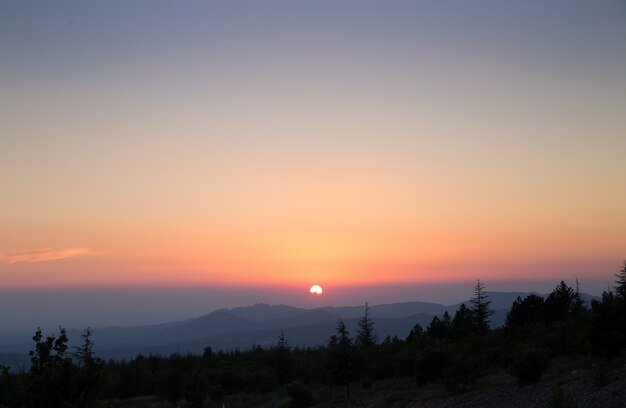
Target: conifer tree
x=365 y=335
x=283 y=359
x=414 y=335
x=559 y=304
x=620 y=288
x=578 y=304
x=343 y=370
x=481 y=310
x=89 y=371
x=463 y=321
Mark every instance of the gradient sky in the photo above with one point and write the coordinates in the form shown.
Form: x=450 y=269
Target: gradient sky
x=151 y=143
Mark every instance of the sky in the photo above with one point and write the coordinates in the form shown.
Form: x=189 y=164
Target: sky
x=280 y=144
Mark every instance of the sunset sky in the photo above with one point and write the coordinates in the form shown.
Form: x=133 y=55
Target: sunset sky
x=287 y=143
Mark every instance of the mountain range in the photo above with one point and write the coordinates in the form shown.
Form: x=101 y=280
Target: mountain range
x=260 y=324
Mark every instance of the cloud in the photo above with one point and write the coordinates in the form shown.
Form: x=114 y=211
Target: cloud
x=43 y=255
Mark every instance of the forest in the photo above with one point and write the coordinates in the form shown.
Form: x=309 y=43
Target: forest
x=454 y=354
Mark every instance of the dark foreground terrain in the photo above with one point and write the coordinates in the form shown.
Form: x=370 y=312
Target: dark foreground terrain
x=556 y=351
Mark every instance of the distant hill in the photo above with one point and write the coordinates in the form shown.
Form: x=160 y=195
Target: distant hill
x=260 y=324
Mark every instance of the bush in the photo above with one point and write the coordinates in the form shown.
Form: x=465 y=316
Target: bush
x=430 y=365
x=530 y=366
x=462 y=375
x=301 y=396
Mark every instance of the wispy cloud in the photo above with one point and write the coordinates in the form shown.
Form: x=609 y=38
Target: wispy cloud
x=43 y=255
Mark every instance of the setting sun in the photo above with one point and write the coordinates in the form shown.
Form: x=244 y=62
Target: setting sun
x=316 y=290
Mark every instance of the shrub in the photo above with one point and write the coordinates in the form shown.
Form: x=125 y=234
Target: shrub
x=301 y=396
x=530 y=366
x=462 y=375
x=430 y=365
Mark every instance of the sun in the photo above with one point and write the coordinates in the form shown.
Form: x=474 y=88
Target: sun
x=316 y=290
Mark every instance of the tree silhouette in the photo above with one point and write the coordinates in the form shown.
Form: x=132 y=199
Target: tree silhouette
x=89 y=372
x=559 y=304
x=283 y=359
x=463 y=321
x=439 y=328
x=481 y=310
x=196 y=390
x=415 y=334
x=51 y=371
x=365 y=335
x=578 y=304
x=608 y=333
x=620 y=287
x=524 y=313
x=343 y=371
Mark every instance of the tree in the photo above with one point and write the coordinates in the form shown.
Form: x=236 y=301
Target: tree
x=365 y=335
x=578 y=304
x=524 y=313
x=559 y=304
x=196 y=390
x=414 y=335
x=463 y=321
x=439 y=328
x=529 y=366
x=430 y=365
x=481 y=310
x=51 y=371
x=89 y=373
x=608 y=333
x=343 y=371
x=301 y=396
x=283 y=359
x=620 y=288
x=172 y=384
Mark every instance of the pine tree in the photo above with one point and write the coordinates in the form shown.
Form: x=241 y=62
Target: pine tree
x=620 y=288
x=463 y=321
x=559 y=304
x=439 y=328
x=414 y=335
x=524 y=313
x=365 y=335
x=481 y=310
x=343 y=371
x=89 y=371
x=578 y=304
x=283 y=359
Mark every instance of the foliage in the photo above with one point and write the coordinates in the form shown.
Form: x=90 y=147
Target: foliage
x=343 y=370
x=365 y=335
x=481 y=308
x=524 y=314
x=530 y=366
x=196 y=391
x=463 y=322
x=430 y=365
x=560 y=304
x=415 y=334
x=301 y=396
x=608 y=333
x=462 y=374
x=620 y=283
x=452 y=352
x=439 y=329
x=282 y=359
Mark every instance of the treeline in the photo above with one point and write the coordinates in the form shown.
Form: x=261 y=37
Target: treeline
x=455 y=351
